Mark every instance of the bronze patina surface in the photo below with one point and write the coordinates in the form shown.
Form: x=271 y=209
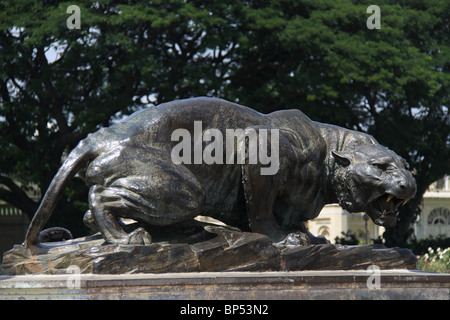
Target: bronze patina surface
x=131 y=174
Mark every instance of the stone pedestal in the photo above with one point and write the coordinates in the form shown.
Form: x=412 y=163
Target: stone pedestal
x=306 y=285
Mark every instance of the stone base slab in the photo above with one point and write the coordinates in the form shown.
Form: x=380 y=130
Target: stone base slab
x=308 y=285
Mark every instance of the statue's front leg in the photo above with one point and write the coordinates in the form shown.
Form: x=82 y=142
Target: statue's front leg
x=261 y=192
x=302 y=237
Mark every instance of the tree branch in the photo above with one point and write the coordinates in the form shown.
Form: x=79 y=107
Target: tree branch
x=4 y=91
x=16 y=197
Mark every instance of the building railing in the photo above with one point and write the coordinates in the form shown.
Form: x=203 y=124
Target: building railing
x=8 y=210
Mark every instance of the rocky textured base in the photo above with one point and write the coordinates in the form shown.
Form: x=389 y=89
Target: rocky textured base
x=198 y=248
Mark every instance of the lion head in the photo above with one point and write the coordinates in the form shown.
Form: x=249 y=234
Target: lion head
x=373 y=179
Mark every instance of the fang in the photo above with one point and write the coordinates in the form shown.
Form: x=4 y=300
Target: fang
x=389 y=198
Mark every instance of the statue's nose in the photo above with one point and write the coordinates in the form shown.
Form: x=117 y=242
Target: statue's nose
x=406 y=185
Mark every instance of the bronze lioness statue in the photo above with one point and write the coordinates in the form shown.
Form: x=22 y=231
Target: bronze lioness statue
x=132 y=173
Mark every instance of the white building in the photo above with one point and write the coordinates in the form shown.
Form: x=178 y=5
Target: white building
x=333 y=221
x=435 y=217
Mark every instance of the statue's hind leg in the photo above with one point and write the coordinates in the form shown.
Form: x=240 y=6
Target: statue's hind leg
x=106 y=206
x=165 y=194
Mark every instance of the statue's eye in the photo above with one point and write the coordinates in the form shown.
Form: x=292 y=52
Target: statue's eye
x=381 y=166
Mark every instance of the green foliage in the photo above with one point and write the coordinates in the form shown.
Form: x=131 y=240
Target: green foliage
x=314 y=55
x=420 y=247
x=348 y=238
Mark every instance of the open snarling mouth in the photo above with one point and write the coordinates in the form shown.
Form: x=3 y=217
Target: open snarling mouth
x=384 y=210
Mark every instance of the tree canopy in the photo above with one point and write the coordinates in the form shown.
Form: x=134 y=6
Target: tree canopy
x=59 y=84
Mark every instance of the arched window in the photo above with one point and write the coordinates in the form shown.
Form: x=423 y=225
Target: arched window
x=324 y=231
x=439 y=215
x=438 y=222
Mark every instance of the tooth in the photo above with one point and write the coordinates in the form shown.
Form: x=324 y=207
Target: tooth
x=396 y=214
x=384 y=212
x=404 y=202
x=389 y=198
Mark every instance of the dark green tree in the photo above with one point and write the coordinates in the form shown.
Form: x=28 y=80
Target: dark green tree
x=317 y=56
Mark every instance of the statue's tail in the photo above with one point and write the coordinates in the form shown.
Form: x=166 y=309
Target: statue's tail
x=74 y=162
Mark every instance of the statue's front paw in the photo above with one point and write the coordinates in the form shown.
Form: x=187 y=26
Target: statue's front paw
x=295 y=239
x=318 y=240
x=139 y=237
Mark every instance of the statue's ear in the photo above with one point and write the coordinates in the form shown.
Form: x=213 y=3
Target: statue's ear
x=343 y=159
